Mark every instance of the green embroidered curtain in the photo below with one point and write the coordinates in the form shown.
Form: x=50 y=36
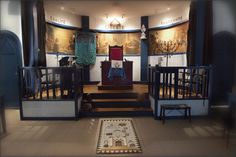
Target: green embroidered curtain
x=85 y=48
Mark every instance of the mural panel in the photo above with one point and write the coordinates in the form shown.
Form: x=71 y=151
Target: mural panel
x=130 y=42
x=60 y=40
x=171 y=40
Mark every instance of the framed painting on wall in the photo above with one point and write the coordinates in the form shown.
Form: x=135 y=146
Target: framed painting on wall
x=130 y=42
x=60 y=40
x=175 y=37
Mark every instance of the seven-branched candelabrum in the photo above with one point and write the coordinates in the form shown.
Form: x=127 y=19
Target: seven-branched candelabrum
x=168 y=47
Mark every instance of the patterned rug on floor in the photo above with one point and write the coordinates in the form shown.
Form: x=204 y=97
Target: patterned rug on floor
x=117 y=136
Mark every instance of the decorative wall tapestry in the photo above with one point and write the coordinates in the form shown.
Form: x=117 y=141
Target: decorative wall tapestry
x=169 y=40
x=130 y=42
x=85 y=48
x=60 y=40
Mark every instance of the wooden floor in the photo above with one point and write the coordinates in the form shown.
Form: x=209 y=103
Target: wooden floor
x=137 y=88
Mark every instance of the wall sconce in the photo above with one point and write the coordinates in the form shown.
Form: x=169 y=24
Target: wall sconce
x=143 y=30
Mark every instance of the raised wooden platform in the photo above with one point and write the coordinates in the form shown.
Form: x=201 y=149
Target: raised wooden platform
x=114 y=87
x=116 y=102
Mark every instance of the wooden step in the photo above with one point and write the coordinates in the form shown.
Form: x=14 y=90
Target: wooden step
x=121 y=109
x=115 y=100
x=131 y=102
x=117 y=112
x=119 y=103
x=114 y=87
x=116 y=96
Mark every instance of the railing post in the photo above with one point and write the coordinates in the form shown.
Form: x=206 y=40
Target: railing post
x=2 y=115
x=157 y=84
x=149 y=77
x=176 y=83
x=209 y=92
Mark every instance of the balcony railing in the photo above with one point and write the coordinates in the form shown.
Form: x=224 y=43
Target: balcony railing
x=180 y=82
x=50 y=83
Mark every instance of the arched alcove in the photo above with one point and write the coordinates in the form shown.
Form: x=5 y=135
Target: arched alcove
x=10 y=61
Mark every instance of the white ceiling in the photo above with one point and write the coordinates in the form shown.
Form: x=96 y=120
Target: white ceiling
x=128 y=8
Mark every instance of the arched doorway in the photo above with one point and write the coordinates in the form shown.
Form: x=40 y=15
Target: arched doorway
x=10 y=60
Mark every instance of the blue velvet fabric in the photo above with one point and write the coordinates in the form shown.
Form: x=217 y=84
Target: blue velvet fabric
x=114 y=72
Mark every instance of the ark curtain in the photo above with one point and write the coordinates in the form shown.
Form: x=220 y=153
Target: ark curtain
x=85 y=48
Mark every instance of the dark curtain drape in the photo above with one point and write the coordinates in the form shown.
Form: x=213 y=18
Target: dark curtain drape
x=208 y=34
x=34 y=29
x=27 y=31
x=207 y=19
x=191 y=34
x=41 y=33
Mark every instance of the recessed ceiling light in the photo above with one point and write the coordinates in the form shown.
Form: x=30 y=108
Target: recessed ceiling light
x=168 y=8
x=62 y=8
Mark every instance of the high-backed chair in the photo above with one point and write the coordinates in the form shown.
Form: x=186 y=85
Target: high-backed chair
x=116 y=53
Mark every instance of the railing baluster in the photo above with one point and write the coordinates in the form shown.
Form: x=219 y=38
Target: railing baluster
x=53 y=84
x=157 y=84
x=207 y=83
x=47 y=88
x=184 y=83
x=34 y=71
x=166 y=84
x=197 y=81
x=163 y=85
x=149 y=77
x=191 y=82
x=170 y=86
x=176 y=73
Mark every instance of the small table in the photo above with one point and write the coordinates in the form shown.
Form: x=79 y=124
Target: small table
x=186 y=108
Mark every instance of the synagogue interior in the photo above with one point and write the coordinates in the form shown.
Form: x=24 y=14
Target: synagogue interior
x=117 y=78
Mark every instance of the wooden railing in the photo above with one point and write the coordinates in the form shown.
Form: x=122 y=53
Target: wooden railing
x=179 y=82
x=50 y=83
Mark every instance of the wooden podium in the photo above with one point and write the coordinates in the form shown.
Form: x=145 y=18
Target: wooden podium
x=116 y=82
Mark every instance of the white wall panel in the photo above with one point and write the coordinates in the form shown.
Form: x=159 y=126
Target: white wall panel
x=48 y=108
x=178 y=15
x=174 y=60
x=68 y=18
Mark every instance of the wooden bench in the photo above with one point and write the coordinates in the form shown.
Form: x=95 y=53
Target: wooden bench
x=164 y=107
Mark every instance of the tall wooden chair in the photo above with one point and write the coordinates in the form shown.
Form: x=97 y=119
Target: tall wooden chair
x=116 y=53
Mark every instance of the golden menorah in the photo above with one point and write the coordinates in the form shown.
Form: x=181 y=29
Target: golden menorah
x=168 y=47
